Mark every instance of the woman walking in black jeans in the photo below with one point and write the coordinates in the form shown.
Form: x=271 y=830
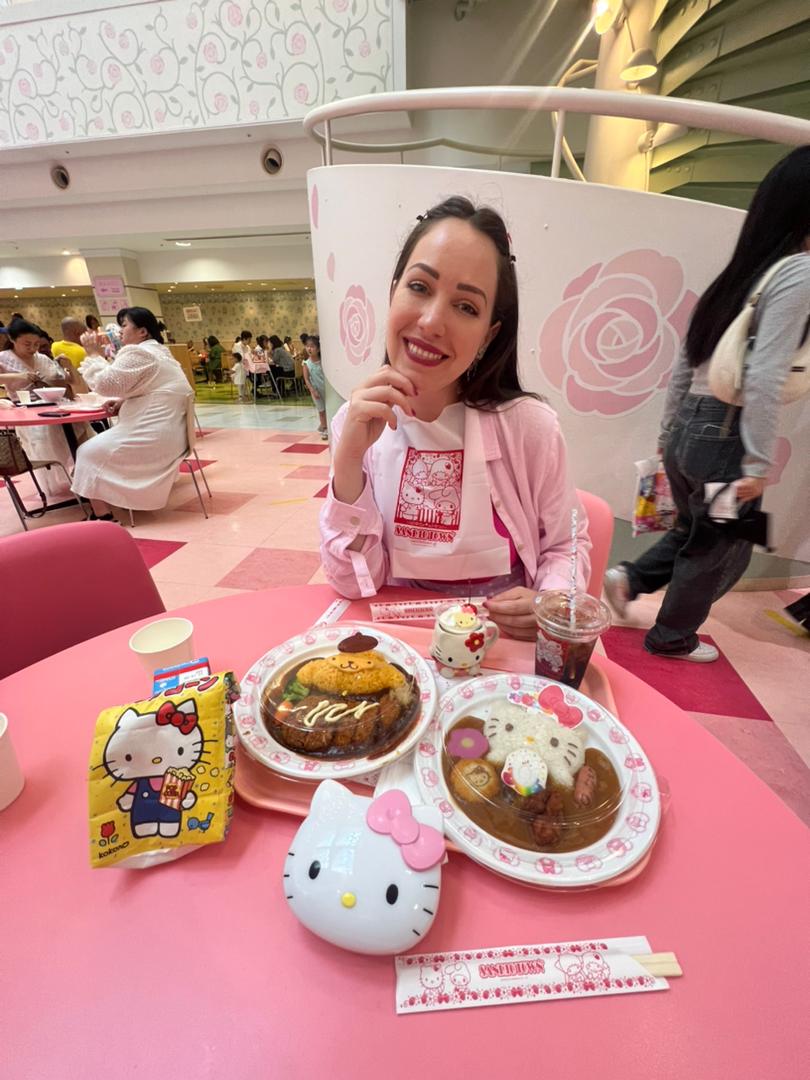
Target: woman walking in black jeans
x=704 y=439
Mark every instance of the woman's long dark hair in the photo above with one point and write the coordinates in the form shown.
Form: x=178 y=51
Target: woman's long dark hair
x=213 y=341
x=777 y=224
x=144 y=319
x=17 y=327
x=493 y=379
x=276 y=341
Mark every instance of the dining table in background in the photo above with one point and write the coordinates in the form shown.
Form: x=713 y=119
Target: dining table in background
x=199 y=968
x=60 y=413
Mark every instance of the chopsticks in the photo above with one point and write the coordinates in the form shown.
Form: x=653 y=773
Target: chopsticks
x=661 y=964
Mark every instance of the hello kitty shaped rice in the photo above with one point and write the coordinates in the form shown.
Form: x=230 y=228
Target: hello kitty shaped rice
x=510 y=728
x=365 y=874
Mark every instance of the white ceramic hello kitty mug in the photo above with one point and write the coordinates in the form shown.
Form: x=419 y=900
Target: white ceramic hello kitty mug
x=461 y=637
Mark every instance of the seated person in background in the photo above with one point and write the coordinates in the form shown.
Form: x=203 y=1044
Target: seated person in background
x=283 y=362
x=135 y=463
x=71 y=344
x=24 y=367
x=446 y=474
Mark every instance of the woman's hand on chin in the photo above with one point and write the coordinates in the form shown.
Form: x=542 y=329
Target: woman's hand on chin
x=371 y=407
x=513 y=612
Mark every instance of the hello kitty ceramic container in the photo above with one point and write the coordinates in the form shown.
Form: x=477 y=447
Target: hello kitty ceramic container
x=461 y=637
x=365 y=874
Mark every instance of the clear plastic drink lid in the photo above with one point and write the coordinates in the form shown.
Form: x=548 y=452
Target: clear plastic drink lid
x=552 y=609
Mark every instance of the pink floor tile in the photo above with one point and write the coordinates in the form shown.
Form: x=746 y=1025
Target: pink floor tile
x=305 y=448
x=155 y=551
x=279 y=438
x=267 y=568
x=200 y=563
x=223 y=502
x=766 y=751
x=324 y=491
x=192 y=465
x=310 y=472
x=708 y=688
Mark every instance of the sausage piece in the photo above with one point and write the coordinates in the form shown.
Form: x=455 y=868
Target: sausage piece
x=585 y=786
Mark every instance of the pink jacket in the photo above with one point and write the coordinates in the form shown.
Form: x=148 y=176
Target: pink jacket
x=531 y=492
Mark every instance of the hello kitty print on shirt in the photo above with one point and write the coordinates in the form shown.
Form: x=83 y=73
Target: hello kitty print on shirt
x=153 y=751
x=428 y=506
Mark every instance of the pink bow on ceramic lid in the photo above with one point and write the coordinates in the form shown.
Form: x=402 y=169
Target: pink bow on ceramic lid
x=422 y=846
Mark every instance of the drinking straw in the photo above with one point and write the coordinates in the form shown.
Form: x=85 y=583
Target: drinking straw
x=572 y=590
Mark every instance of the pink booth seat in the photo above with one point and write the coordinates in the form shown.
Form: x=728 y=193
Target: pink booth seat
x=66 y=583
x=600 y=527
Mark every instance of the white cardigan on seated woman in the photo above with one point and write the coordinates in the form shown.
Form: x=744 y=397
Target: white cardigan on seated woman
x=135 y=463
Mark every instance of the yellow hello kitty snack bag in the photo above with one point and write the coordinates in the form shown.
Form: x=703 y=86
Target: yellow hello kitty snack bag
x=161 y=774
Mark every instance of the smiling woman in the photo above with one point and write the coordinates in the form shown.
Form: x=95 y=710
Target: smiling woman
x=446 y=473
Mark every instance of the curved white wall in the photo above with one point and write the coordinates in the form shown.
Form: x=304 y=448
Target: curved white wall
x=608 y=278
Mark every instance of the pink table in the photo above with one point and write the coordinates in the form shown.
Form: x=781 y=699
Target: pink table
x=28 y=416
x=197 y=968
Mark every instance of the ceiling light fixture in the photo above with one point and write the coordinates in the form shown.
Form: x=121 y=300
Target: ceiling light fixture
x=606 y=14
x=182 y=243
x=641 y=66
x=66 y=252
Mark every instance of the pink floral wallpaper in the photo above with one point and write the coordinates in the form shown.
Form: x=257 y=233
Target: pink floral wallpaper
x=150 y=67
x=48 y=313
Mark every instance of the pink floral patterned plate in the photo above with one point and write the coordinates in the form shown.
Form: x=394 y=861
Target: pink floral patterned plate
x=630 y=837
x=320 y=641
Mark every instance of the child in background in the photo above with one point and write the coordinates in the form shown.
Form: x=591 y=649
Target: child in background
x=238 y=376
x=315 y=381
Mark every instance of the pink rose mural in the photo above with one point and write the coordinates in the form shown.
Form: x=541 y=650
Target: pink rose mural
x=357 y=325
x=330 y=266
x=157 y=65
x=25 y=88
x=210 y=52
x=340 y=5
x=261 y=60
x=253 y=108
x=109 y=32
x=127 y=119
x=313 y=205
x=301 y=93
x=191 y=22
x=114 y=73
x=32 y=131
x=298 y=44
x=220 y=103
x=234 y=15
x=613 y=341
x=365 y=48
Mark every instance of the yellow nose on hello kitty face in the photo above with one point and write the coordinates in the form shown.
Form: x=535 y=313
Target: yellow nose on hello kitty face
x=157 y=760
x=348 y=899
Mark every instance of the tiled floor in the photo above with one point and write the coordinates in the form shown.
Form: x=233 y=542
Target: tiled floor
x=267 y=472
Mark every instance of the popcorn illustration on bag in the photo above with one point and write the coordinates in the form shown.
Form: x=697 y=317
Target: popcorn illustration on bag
x=152 y=762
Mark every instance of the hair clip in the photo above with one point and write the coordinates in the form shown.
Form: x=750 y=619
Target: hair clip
x=512 y=259
x=421 y=217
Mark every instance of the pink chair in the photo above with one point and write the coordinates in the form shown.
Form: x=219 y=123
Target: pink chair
x=63 y=584
x=600 y=528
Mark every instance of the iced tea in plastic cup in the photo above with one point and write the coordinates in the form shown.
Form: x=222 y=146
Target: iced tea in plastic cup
x=563 y=649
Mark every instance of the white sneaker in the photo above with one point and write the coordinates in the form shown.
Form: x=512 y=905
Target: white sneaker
x=617 y=590
x=703 y=654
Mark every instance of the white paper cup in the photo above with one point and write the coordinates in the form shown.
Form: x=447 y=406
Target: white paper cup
x=24 y=397
x=163 y=643
x=11 y=778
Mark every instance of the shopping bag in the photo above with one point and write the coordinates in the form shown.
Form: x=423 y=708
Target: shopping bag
x=653 y=508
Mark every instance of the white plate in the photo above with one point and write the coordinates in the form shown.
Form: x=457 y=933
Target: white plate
x=629 y=838
x=318 y=641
